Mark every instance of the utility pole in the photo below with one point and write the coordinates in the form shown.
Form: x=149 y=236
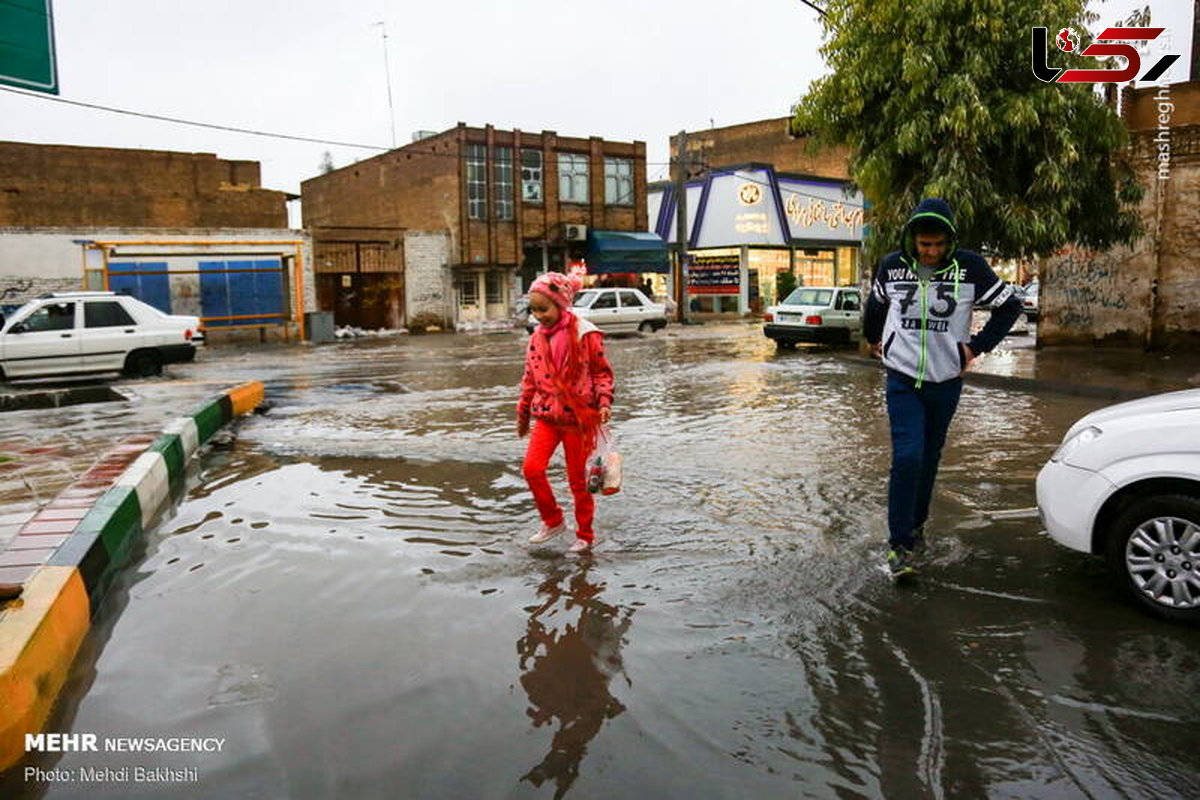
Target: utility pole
x=681 y=162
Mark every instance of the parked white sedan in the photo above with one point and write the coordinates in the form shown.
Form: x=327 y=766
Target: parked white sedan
x=77 y=333
x=616 y=310
x=1125 y=483
x=826 y=314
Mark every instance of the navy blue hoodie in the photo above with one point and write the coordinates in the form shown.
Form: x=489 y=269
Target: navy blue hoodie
x=921 y=314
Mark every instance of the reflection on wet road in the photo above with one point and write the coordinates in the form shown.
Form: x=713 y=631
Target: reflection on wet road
x=345 y=596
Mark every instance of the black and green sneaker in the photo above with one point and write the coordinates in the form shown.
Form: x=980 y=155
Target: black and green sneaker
x=918 y=547
x=900 y=561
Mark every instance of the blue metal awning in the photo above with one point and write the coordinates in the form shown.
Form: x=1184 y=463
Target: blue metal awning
x=626 y=251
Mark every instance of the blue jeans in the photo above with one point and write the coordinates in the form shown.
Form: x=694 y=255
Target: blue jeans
x=919 y=419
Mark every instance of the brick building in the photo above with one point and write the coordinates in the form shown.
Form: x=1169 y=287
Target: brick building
x=1148 y=294
x=487 y=209
x=767 y=141
x=50 y=185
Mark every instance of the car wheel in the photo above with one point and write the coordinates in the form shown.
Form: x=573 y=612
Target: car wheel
x=646 y=327
x=143 y=363
x=1153 y=551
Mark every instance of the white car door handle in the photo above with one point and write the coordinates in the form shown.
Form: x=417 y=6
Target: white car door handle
x=130 y=330
x=64 y=336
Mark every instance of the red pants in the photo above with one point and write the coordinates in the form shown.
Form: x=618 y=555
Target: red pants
x=543 y=441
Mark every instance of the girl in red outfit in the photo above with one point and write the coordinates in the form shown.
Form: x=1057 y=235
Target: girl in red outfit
x=567 y=391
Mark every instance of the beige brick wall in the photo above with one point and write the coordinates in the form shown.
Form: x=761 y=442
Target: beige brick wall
x=766 y=141
x=1147 y=295
x=64 y=185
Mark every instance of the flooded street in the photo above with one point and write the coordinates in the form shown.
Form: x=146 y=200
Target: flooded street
x=346 y=598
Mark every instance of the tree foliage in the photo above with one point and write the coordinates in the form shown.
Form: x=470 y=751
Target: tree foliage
x=938 y=99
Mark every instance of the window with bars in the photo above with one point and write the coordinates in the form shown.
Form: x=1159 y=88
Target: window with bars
x=468 y=290
x=502 y=182
x=531 y=176
x=476 y=181
x=495 y=287
x=618 y=182
x=572 y=178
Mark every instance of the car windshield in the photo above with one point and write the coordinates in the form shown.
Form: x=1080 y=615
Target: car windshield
x=583 y=299
x=1031 y=290
x=809 y=297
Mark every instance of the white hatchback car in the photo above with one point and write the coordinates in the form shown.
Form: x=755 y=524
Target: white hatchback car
x=77 y=333
x=825 y=314
x=616 y=309
x=1125 y=483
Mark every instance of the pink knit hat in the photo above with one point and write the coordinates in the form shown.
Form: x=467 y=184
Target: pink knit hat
x=558 y=287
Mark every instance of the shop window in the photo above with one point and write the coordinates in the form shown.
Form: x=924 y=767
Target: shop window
x=618 y=182
x=502 y=175
x=495 y=287
x=476 y=181
x=531 y=176
x=572 y=178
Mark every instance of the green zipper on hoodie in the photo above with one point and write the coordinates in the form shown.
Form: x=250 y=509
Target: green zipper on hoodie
x=923 y=288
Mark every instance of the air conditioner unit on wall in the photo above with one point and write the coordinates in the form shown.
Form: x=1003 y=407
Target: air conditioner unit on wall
x=574 y=233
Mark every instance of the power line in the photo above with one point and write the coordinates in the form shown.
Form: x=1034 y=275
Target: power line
x=290 y=137
x=815 y=8
x=177 y=121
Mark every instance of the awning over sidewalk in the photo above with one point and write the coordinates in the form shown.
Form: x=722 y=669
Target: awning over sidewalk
x=625 y=251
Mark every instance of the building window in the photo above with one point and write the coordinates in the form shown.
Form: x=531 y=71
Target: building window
x=618 y=182
x=531 y=176
x=476 y=181
x=572 y=178
x=468 y=290
x=495 y=287
x=502 y=174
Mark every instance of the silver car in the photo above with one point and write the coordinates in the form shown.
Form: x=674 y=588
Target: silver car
x=616 y=309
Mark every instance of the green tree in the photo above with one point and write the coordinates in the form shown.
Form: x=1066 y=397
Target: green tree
x=938 y=99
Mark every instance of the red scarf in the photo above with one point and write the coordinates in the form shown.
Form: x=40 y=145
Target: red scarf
x=566 y=356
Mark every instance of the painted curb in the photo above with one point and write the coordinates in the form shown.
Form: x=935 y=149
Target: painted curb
x=89 y=532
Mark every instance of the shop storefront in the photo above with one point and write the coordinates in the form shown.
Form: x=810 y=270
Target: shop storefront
x=749 y=224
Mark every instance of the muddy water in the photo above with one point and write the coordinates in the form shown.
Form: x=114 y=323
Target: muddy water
x=344 y=597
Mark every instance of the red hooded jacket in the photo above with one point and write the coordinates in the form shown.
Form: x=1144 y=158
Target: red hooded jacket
x=541 y=397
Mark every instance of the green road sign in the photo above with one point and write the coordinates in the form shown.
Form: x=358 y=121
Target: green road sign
x=27 y=45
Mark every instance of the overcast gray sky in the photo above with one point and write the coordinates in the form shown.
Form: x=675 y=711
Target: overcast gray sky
x=621 y=69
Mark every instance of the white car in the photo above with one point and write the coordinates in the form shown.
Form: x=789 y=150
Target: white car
x=1029 y=301
x=616 y=309
x=825 y=314
x=77 y=333
x=1125 y=483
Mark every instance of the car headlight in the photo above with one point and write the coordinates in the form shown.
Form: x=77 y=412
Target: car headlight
x=1088 y=434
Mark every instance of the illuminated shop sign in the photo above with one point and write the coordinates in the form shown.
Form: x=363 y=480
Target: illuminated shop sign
x=719 y=274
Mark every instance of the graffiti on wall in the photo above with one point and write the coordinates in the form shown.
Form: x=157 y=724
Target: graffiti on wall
x=15 y=290
x=1090 y=292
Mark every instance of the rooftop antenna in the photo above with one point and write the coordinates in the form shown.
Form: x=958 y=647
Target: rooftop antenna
x=387 y=71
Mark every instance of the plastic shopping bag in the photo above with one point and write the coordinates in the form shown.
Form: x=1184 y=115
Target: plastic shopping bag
x=604 y=464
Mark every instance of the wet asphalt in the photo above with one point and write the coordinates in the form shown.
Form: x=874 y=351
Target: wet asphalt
x=344 y=594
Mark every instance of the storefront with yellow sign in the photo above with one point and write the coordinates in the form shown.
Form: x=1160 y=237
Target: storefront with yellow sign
x=749 y=224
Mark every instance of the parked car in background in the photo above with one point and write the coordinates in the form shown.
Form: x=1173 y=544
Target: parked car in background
x=825 y=314
x=1030 y=302
x=616 y=309
x=1125 y=484
x=77 y=333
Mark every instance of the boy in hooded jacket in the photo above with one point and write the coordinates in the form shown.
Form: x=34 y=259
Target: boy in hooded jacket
x=918 y=320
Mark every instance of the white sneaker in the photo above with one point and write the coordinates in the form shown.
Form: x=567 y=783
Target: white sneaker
x=546 y=533
x=580 y=546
